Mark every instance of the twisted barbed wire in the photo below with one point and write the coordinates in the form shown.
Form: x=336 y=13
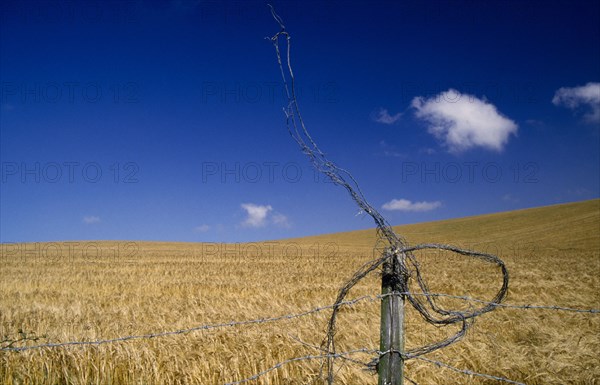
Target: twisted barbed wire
x=400 y=265
x=396 y=251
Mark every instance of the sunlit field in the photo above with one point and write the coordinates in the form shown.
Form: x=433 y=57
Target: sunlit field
x=86 y=291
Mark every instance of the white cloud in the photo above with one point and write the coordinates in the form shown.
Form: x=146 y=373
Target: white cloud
x=256 y=214
x=281 y=220
x=263 y=215
x=91 y=219
x=575 y=97
x=463 y=121
x=384 y=117
x=406 y=205
x=202 y=228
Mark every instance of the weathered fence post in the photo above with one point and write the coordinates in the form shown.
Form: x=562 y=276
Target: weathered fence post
x=391 y=364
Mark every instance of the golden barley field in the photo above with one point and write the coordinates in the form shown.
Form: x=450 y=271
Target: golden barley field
x=85 y=291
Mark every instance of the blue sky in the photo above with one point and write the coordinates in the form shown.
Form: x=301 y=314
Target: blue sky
x=162 y=120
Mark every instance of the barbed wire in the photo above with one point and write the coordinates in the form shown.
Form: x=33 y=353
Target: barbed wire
x=303 y=358
x=192 y=329
x=338 y=355
x=510 y=306
x=369 y=366
x=290 y=316
x=319 y=348
x=398 y=263
x=469 y=372
x=344 y=355
x=397 y=260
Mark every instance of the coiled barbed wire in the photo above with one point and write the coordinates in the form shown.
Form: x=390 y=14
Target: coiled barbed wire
x=401 y=265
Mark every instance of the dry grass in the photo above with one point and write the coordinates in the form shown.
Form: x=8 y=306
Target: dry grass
x=553 y=255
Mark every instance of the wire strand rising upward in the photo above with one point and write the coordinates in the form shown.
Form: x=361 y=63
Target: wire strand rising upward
x=396 y=253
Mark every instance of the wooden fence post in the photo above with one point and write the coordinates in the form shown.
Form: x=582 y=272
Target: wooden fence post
x=391 y=365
